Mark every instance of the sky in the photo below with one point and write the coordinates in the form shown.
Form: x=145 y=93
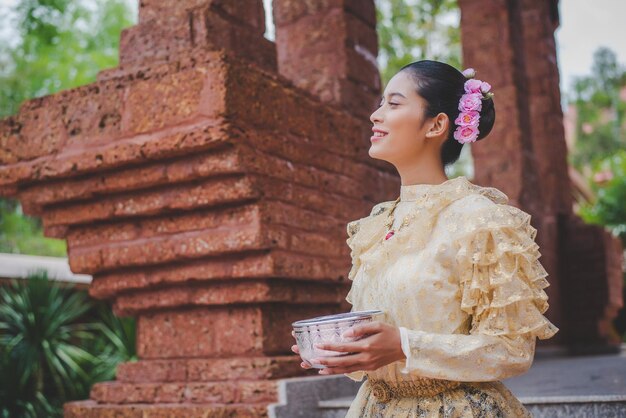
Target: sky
x=585 y=26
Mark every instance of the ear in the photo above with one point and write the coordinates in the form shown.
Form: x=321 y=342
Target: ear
x=438 y=126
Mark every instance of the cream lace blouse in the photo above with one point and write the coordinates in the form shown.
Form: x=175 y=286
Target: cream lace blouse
x=461 y=280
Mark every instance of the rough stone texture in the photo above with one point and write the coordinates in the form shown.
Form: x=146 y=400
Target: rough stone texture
x=207 y=194
x=512 y=46
x=329 y=48
x=92 y=409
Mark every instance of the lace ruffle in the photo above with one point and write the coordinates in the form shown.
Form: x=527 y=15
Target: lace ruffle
x=501 y=278
x=360 y=236
x=353 y=228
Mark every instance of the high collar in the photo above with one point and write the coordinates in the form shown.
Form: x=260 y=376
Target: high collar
x=412 y=192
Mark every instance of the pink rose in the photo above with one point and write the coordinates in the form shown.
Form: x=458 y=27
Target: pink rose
x=472 y=86
x=469 y=73
x=465 y=134
x=467 y=118
x=470 y=101
x=485 y=87
x=603 y=176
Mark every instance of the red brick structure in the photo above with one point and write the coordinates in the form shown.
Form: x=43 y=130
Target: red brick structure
x=206 y=184
x=512 y=45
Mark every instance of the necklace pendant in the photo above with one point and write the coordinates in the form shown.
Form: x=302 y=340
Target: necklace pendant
x=389 y=235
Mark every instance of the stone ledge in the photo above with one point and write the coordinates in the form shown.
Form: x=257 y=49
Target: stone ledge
x=209 y=369
x=91 y=409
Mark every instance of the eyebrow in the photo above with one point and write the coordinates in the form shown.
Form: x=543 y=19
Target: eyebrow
x=395 y=93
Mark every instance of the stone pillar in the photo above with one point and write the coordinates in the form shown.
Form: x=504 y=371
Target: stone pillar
x=511 y=45
x=329 y=48
x=207 y=195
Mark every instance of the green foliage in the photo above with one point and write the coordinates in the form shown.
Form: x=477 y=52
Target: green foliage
x=23 y=234
x=61 y=44
x=609 y=208
x=55 y=343
x=600 y=112
x=411 y=30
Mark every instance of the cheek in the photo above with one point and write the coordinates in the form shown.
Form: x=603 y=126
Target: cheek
x=403 y=127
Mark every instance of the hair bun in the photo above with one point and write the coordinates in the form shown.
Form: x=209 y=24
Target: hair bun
x=487 y=118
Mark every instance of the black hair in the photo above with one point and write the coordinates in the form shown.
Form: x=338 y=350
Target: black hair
x=442 y=86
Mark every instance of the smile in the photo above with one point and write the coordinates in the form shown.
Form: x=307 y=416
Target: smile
x=377 y=136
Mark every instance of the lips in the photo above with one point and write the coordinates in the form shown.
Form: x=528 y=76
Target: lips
x=378 y=134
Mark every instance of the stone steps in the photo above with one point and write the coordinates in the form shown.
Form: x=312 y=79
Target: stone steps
x=227 y=392
x=91 y=409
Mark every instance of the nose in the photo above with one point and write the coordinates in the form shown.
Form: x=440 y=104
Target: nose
x=375 y=117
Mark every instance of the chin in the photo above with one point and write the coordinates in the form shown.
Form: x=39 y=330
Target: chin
x=378 y=153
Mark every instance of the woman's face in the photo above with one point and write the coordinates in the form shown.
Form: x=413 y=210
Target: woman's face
x=400 y=115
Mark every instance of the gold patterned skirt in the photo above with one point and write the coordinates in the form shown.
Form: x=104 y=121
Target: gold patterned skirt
x=376 y=399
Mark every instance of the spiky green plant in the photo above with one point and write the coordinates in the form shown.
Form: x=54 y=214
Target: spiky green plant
x=55 y=343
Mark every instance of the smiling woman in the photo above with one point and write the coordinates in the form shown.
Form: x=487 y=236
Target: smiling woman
x=453 y=267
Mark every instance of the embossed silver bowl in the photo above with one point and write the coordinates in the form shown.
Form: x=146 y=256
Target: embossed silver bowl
x=328 y=329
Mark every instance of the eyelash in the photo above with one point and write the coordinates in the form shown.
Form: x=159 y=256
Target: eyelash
x=390 y=104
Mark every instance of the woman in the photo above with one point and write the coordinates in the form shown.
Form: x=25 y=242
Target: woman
x=453 y=267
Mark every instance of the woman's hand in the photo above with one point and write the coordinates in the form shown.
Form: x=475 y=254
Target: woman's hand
x=296 y=350
x=380 y=346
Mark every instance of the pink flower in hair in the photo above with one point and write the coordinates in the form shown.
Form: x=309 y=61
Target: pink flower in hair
x=465 y=134
x=467 y=118
x=470 y=101
x=469 y=73
x=470 y=106
x=472 y=86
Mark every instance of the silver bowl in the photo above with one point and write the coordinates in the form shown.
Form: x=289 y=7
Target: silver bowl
x=328 y=329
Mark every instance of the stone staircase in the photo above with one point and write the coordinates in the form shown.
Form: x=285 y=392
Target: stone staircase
x=556 y=386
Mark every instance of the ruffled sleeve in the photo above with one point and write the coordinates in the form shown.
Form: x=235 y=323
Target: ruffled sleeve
x=352 y=229
x=501 y=278
x=501 y=284
x=356 y=242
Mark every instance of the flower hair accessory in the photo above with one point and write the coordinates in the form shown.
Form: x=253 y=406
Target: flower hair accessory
x=470 y=106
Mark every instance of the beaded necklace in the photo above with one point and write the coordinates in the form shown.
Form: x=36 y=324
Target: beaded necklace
x=405 y=221
x=390 y=219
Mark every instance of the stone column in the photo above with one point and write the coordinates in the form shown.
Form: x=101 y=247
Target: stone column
x=207 y=195
x=329 y=48
x=511 y=44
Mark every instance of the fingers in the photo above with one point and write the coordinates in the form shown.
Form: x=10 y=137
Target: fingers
x=334 y=370
x=346 y=361
x=343 y=347
x=296 y=350
x=361 y=330
x=336 y=347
